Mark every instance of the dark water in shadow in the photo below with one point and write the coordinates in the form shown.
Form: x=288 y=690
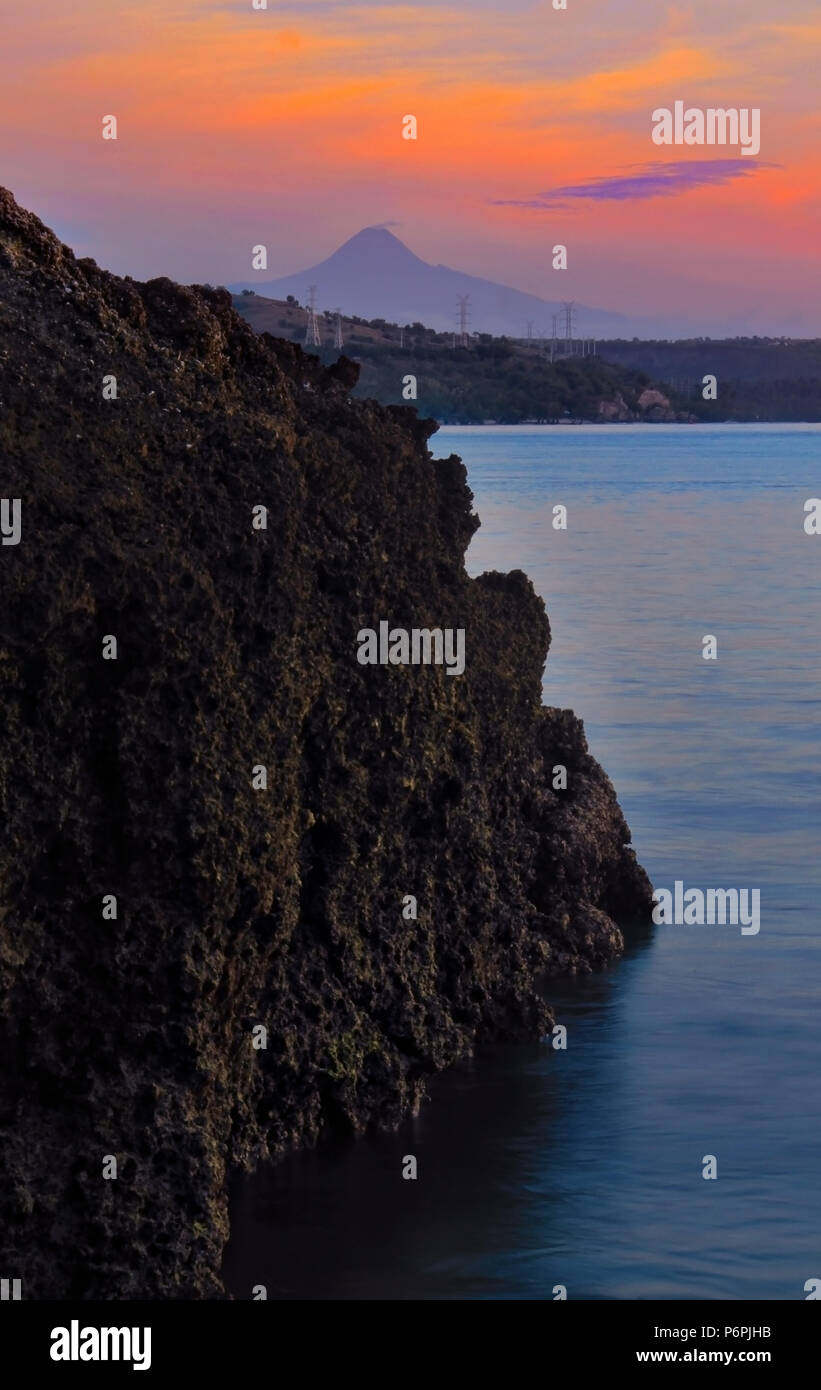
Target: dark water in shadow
x=584 y=1168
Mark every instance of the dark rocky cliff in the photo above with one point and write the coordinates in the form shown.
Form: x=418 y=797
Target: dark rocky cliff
x=237 y=647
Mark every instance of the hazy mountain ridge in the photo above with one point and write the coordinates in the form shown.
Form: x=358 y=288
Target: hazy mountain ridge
x=376 y=275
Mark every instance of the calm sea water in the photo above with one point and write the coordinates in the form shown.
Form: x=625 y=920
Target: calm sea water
x=584 y=1168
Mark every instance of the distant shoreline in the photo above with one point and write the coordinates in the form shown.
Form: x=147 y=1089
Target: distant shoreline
x=630 y=424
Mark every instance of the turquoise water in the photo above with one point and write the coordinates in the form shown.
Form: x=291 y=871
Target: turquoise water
x=584 y=1168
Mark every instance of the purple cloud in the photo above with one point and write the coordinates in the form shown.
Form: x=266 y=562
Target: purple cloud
x=649 y=181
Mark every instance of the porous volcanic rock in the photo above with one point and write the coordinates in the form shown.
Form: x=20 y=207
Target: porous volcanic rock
x=237 y=647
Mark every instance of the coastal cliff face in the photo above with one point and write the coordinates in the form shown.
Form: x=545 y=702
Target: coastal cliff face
x=237 y=906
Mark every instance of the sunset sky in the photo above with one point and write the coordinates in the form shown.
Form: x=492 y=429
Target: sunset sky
x=283 y=127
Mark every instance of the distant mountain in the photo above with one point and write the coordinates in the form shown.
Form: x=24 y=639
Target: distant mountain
x=374 y=275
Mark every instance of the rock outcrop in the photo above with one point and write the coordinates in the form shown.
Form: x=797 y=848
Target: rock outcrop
x=652 y=406
x=131 y=1037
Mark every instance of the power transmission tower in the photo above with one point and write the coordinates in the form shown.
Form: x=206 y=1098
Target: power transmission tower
x=462 y=301
x=338 y=343
x=553 y=338
x=312 y=338
x=529 y=330
x=569 y=306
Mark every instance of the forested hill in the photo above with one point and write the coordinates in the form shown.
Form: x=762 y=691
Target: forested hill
x=758 y=378
x=509 y=381
x=491 y=379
